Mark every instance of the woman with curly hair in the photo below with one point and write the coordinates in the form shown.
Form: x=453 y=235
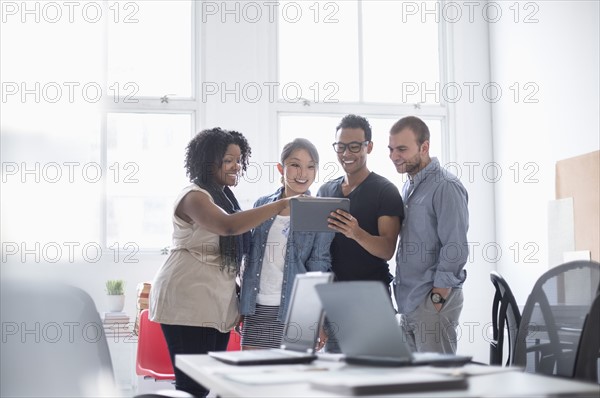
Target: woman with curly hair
x=193 y=295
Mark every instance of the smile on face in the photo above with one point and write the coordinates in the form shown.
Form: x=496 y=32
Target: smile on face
x=406 y=153
x=229 y=172
x=299 y=172
x=353 y=162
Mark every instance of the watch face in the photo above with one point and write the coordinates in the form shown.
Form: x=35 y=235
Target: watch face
x=436 y=298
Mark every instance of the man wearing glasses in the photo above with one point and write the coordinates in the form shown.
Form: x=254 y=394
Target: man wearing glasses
x=367 y=235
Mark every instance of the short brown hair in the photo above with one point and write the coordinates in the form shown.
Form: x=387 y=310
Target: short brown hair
x=415 y=124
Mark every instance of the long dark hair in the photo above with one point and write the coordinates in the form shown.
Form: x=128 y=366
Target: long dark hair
x=204 y=157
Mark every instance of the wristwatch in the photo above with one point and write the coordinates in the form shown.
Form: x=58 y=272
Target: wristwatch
x=437 y=298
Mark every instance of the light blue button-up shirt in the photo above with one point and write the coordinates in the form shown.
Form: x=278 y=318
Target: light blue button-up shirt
x=305 y=251
x=433 y=247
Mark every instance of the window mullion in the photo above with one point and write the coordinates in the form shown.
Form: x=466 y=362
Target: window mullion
x=446 y=62
x=361 y=97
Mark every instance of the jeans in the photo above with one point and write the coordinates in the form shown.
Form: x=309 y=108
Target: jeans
x=192 y=340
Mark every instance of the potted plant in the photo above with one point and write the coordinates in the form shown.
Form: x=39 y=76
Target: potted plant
x=115 y=288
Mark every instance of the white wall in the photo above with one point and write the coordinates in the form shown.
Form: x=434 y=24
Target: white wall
x=472 y=135
x=559 y=54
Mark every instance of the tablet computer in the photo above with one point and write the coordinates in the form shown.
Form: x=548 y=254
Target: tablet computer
x=308 y=214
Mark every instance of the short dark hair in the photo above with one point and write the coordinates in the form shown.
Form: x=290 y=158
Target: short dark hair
x=205 y=153
x=300 y=143
x=415 y=124
x=355 y=122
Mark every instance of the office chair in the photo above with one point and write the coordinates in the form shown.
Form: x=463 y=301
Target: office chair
x=152 y=360
x=53 y=342
x=505 y=314
x=553 y=317
x=235 y=341
x=588 y=352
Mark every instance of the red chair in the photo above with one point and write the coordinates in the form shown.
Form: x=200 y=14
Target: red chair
x=153 y=358
x=234 y=341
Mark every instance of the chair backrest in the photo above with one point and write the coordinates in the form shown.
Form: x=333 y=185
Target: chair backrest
x=234 y=343
x=153 y=357
x=53 y=342
x=588 y=352
x=505 y=314
x=553 y=318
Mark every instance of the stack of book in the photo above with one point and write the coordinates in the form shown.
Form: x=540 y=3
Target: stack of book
x=143 y=293
x=116 y=324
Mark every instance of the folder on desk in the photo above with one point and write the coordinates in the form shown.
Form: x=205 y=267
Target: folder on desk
x=300 y=333
x=361 y=315
x=354 y=383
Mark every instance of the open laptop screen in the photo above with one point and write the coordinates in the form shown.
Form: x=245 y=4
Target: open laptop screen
x=364 y=322
x=305 y=313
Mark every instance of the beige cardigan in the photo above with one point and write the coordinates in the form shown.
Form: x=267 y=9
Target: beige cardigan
x=190 y=288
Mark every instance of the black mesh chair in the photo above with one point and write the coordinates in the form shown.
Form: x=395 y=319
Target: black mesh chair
x=588 y=352
x=553 y=318
x=505 y=314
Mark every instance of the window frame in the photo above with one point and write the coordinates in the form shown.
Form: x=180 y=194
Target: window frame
x=151 y=105
x=443 y=112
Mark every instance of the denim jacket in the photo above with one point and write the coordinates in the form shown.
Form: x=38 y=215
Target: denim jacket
x=305 y=251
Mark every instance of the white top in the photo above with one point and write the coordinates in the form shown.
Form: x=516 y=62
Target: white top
x=191 y=288
x=271 y=277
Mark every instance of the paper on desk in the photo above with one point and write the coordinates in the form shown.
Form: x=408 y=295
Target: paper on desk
x=278 y=375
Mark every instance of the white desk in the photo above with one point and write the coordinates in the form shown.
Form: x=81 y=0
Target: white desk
x=293 y=380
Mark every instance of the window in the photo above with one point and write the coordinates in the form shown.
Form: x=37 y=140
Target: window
x=361 y=57
x=150 y=45
x=98 y=104
x=148 y=125
x=144 y=153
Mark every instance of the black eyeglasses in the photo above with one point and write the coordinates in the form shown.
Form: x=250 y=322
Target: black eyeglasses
x=354 y=146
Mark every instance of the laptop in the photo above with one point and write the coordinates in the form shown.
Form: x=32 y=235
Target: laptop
x=308 y=214
x=364 y=322
x=300 y=334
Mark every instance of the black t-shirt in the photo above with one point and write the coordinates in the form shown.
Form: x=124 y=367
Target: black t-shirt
x=376 y=196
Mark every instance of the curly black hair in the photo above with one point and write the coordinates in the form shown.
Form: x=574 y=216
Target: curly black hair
x=205 y=152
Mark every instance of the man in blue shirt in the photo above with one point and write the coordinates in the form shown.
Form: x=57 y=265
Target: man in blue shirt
x=433 y=248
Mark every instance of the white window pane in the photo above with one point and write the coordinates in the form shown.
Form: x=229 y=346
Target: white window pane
x=318 y=50
x=145 y=172
x=400 y=51
x=51 y=194
x=321 y=131
x=149 y=45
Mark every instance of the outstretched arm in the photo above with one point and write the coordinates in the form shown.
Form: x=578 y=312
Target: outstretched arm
x=198 y=208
